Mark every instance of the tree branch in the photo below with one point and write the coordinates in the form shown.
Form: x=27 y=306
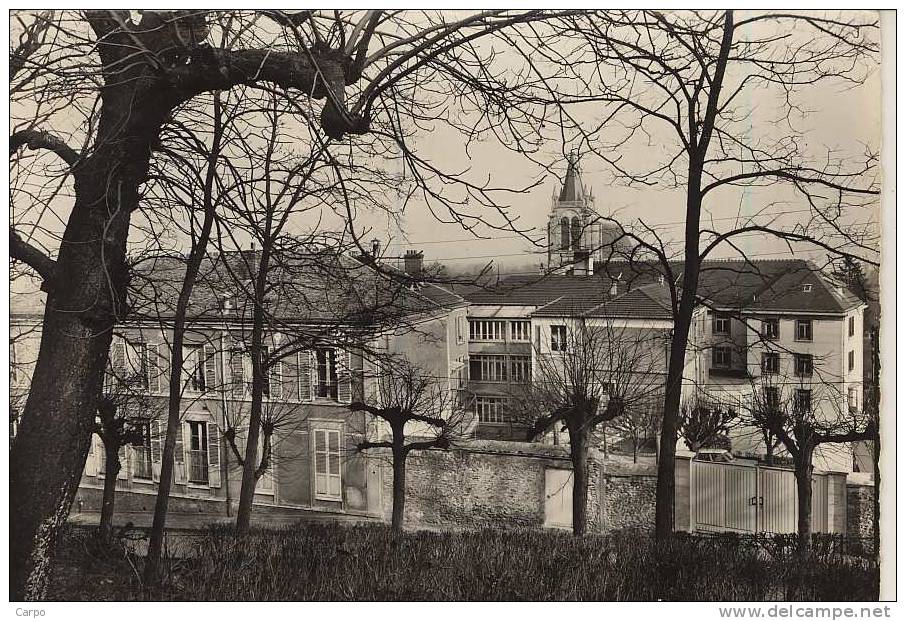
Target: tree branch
x=21 y=250
x=37 y=139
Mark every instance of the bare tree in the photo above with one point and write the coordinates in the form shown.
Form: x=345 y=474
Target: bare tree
x=116 y=77
x=592 y=372
x=803 y=418
x=638 y=425
x=421 y=412
x=123 y=419
x=682 y=80
x=703 y=423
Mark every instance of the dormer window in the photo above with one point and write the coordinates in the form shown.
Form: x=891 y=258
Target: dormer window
x=807 y=288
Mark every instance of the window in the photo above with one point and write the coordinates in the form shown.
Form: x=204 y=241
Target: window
x=520 y=368
x=460 y=329
x=485 y=330
x=488 y=368
x=520 y=330
x=564 y=233
x=576 y=227
x=804 y=365
x=193 y=367
x=852 y=326
x=852 y=398
x=770 y=329
x=141 y=453
x=802 y=400
x=803 y=329
x=720 y=325
x=770 y=363
x=558 y=338
x=772 y=398
x=491 y=409
x=807 y=288
x=13 y=422
x=326 y=362
x=326 y=453
x=720 y=356
x=851 y=360
x=198 y=452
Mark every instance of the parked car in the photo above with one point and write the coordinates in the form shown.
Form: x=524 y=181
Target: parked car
x=714 y=455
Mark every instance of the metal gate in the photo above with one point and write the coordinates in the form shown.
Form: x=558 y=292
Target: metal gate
x=748 y=498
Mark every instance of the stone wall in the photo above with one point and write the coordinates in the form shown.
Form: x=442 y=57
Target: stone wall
x=490 y=483
x=860 y=510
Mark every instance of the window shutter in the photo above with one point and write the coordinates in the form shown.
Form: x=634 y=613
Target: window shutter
x=154 y=371
x=210 y=367
x=213 y=455
x=276 y=380
x=118 y=359
x=320 y=455
x=102 y=455
x=305 y=375
x=124 y=462
x=91 y=464
x=237 y=371
x=157 y=437
x=179 y=459
x=265 y=484
x=344 y=379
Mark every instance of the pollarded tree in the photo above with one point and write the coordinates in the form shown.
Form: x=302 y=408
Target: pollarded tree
x=704 y=423
x=804 y=417
x=685 y=82
x=638 y=425
x=116 y=77
x=421 y=411
x=591 y=372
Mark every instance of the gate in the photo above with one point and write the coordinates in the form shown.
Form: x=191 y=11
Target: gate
x=727 y=497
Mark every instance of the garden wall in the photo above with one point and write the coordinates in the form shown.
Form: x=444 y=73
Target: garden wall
x=490 y=483
x=860 y=510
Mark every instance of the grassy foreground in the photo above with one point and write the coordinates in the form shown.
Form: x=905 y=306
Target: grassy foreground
x=332 y=562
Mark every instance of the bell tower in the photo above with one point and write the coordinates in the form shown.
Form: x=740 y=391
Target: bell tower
x=571 y=239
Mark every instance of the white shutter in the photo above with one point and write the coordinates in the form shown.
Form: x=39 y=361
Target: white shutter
x=91 y=464
x=118 y=358
x=237 y=371
x=124 y=462
x=305 y=380
x=154 y=370
x=179 y=460
x=275 y=380
x=320 y=466
x=344 y=376
x=210 y=367
x=102 y=455
x=265 y=484
x=157 y=439
x=213 y=455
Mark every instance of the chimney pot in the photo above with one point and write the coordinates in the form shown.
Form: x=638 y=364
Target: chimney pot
x=375 y=248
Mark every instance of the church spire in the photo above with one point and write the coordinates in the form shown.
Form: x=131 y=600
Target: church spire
x=572 y=191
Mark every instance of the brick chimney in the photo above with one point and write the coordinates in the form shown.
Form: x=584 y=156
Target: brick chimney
x=413 y=262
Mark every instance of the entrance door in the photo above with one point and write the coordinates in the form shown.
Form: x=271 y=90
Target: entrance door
x=558 y=498
x=724 y=497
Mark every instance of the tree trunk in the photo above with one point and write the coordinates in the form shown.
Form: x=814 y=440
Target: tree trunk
x=174 y=399
x=86 y=297
x=399 y=490
x=578 y=452
x=699 y=139
x=803 y=472
x=111 y=472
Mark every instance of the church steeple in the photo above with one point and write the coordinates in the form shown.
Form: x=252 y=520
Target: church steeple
x=572 y=190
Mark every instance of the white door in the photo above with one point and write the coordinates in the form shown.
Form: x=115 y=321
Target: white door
x=558 y=498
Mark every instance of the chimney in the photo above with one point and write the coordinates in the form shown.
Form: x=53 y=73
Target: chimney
x=375 y=248
x=613 y=287
x=413 y=262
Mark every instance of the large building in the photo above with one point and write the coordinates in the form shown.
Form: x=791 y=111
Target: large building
x=330 y=320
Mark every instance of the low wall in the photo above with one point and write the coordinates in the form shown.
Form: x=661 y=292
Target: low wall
x=860 y=510
x=489 y=483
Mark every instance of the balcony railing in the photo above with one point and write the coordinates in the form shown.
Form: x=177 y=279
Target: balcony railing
x=141 y=462
x=198 y=466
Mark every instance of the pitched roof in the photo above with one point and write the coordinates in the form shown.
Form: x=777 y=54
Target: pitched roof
x=572 y=190
x=758 y=285
x=646 y=302
x=315 y=288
